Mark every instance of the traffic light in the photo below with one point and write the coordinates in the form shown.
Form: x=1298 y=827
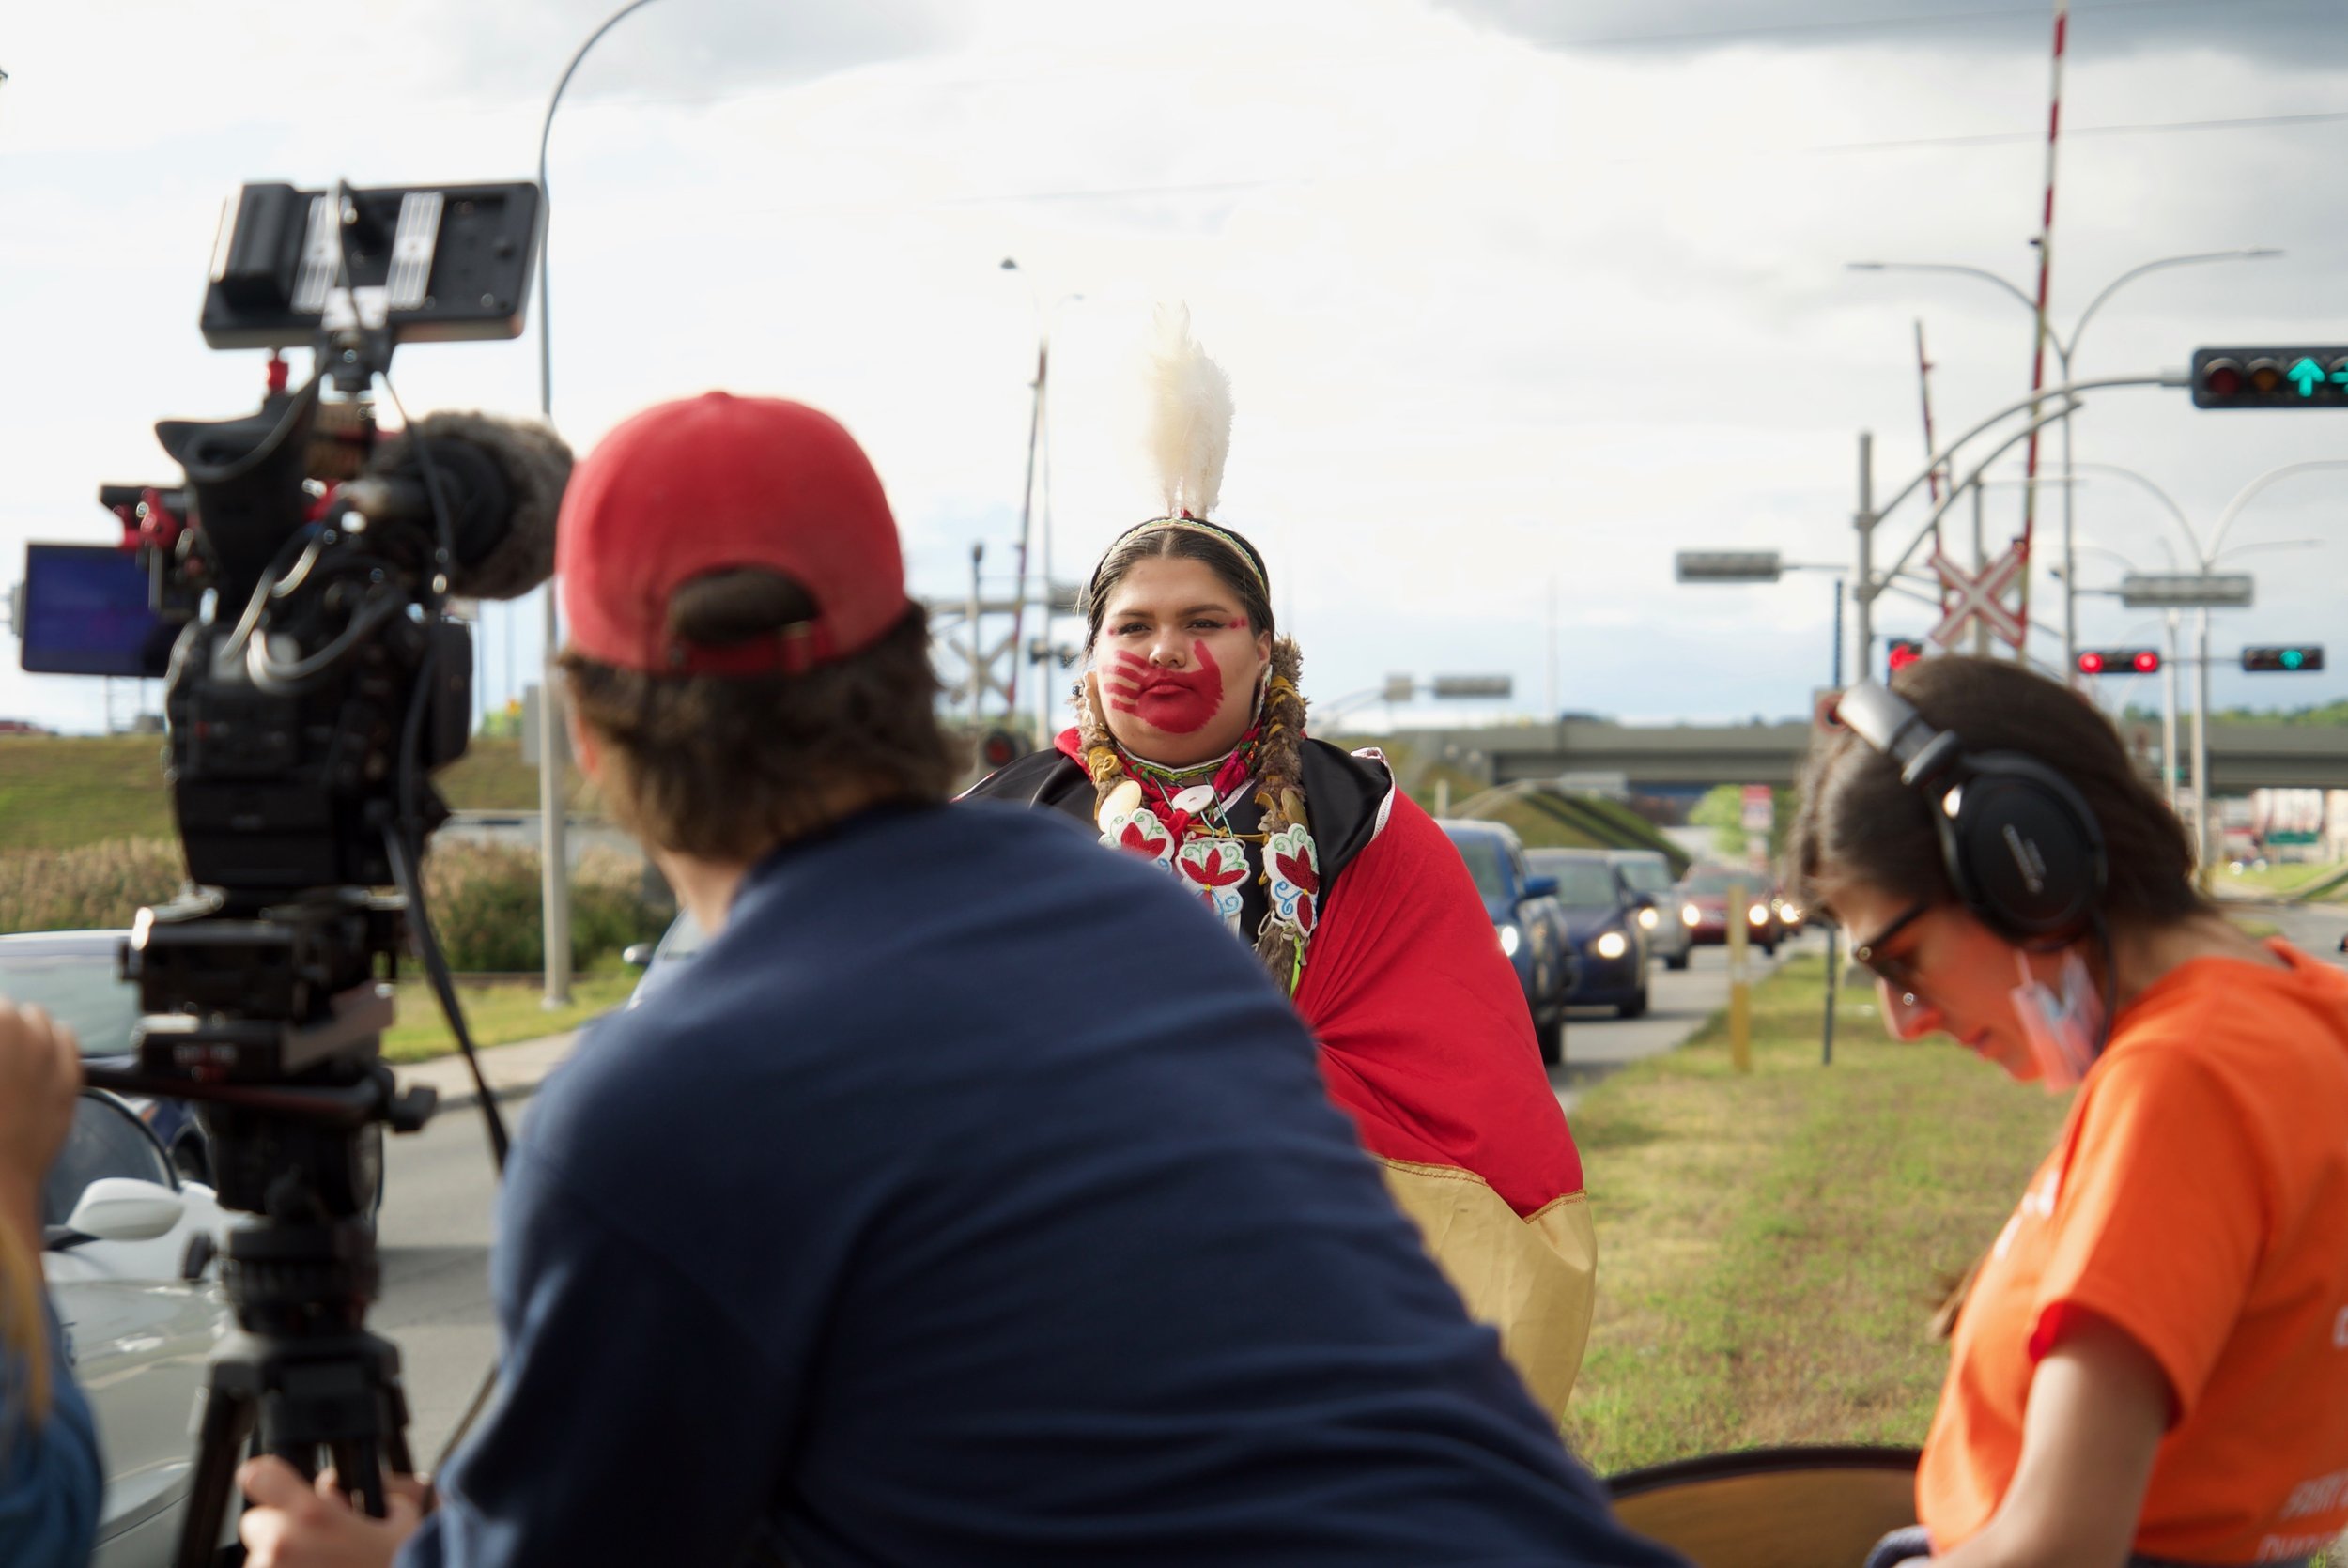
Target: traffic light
x=2296 y=658
x=2300 y=378
x=1905 y=652
x=999 y=748
x=2119 y=661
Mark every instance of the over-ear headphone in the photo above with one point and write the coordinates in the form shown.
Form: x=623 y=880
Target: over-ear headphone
x=2022 y=848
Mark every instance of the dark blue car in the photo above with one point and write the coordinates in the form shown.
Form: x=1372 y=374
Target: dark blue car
x=1611 y=943
x=1526 y=919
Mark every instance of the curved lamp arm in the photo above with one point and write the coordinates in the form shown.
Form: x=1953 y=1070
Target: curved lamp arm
x=546 y=129
x=2242 y=499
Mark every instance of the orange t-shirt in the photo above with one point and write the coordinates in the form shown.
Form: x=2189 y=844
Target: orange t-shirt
x=2198 y=1201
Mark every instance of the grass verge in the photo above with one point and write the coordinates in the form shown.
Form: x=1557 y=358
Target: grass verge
x=1772 y=1245
x=2251 y=881
x=59 y=792
x=502 y=1013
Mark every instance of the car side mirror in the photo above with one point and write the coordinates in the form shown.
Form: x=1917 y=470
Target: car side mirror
x=1540 y=887
x=637 y=955
x=123 y=1208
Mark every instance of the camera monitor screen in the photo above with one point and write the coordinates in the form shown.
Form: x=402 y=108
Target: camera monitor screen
x=86 y=613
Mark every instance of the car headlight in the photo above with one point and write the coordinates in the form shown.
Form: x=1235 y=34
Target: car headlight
x=1510 y=940
x=1759 y=915
x=1612 y=945
x=1790 y=913
x=1649 y=919
x=1691 y=915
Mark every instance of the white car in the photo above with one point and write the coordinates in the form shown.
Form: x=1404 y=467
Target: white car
x=128 y=1259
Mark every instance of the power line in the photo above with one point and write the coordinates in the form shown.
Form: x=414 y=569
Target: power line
x=1866 y=24
x=1994 y=138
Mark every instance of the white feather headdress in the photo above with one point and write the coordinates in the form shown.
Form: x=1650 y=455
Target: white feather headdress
x=1190 y=417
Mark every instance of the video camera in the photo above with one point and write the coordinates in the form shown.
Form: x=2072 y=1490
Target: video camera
x=293 y=589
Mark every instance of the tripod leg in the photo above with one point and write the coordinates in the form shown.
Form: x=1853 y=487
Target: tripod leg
x=228 y=1419
x=359 y=1472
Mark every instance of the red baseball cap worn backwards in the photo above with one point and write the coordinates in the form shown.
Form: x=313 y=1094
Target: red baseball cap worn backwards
x=715 y=483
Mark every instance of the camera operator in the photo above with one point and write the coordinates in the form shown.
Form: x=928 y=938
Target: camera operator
x=50 y=1478
x=973 y=1198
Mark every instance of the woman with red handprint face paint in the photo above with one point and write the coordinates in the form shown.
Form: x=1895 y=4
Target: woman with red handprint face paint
x=1190 y=750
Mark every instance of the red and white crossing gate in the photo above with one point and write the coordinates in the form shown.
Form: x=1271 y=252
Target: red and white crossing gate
x=1984 y=596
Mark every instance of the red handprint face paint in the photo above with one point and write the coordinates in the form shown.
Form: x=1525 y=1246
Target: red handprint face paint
x=1179 y=701
x=1179 y=661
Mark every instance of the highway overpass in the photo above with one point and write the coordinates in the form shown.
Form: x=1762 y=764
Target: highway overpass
x=2242 y=756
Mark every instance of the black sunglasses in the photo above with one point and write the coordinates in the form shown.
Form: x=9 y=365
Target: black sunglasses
x=1897 y=972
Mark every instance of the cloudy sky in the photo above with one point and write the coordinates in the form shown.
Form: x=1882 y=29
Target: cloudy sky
x=1518 y=297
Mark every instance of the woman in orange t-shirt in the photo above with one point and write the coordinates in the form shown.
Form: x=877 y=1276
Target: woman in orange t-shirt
x=2152 y=1363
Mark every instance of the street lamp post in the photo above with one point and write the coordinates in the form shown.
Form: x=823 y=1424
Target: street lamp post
x=2063 y=352
x=554 y=870
x=2205 y=559
x=1044 y=319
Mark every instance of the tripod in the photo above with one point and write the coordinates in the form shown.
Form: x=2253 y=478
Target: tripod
x=301 y=1371
x=289 y=1107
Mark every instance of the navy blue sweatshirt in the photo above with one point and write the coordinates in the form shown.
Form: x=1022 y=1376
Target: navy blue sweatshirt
x=973 y=1199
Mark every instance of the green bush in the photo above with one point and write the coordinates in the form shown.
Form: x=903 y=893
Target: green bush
x=485 y=906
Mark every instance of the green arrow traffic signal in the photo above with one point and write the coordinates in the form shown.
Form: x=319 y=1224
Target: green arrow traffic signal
x=2300 y=375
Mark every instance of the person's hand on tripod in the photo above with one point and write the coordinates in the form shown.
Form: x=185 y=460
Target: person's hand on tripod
x=40 y=1072
x=293 y=1523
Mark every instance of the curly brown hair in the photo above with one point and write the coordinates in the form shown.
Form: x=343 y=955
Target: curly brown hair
x=728 y=767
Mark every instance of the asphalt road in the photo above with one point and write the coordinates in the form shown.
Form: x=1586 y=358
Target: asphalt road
x=433 y=1238
x=1597 y=1043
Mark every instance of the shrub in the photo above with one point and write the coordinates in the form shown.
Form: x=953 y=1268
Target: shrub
x=484 y=902
x=485 y=905
x=93 y=886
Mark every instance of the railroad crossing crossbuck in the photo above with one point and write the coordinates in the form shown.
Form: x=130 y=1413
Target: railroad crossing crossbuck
x=1982 y=596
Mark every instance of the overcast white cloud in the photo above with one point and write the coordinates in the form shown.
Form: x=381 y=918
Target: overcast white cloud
x=1500 y=309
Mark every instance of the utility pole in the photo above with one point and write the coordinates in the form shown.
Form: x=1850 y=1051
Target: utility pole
x=2169 y=715
x=1863 y=586
x=1833 y=930
x=2201 y=756
x=978 y=649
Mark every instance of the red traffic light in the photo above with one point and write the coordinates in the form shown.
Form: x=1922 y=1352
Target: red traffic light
x=2119 y=661
x=1001 y=748
x=1905 y=652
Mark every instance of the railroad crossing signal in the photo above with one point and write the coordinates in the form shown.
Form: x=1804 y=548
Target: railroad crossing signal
x=1983 y=597
x=2312 y=376
x=2291 y=658
x=1904 y=651
x=2119 y=661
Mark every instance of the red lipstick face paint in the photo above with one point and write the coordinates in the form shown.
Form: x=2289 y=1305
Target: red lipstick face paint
x=1179 y=702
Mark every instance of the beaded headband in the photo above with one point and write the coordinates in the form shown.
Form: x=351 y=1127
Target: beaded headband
x=1197 y=525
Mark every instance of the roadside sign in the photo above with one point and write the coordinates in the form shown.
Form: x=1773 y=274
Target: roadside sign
x=1473 y=685
x=1760 y=808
